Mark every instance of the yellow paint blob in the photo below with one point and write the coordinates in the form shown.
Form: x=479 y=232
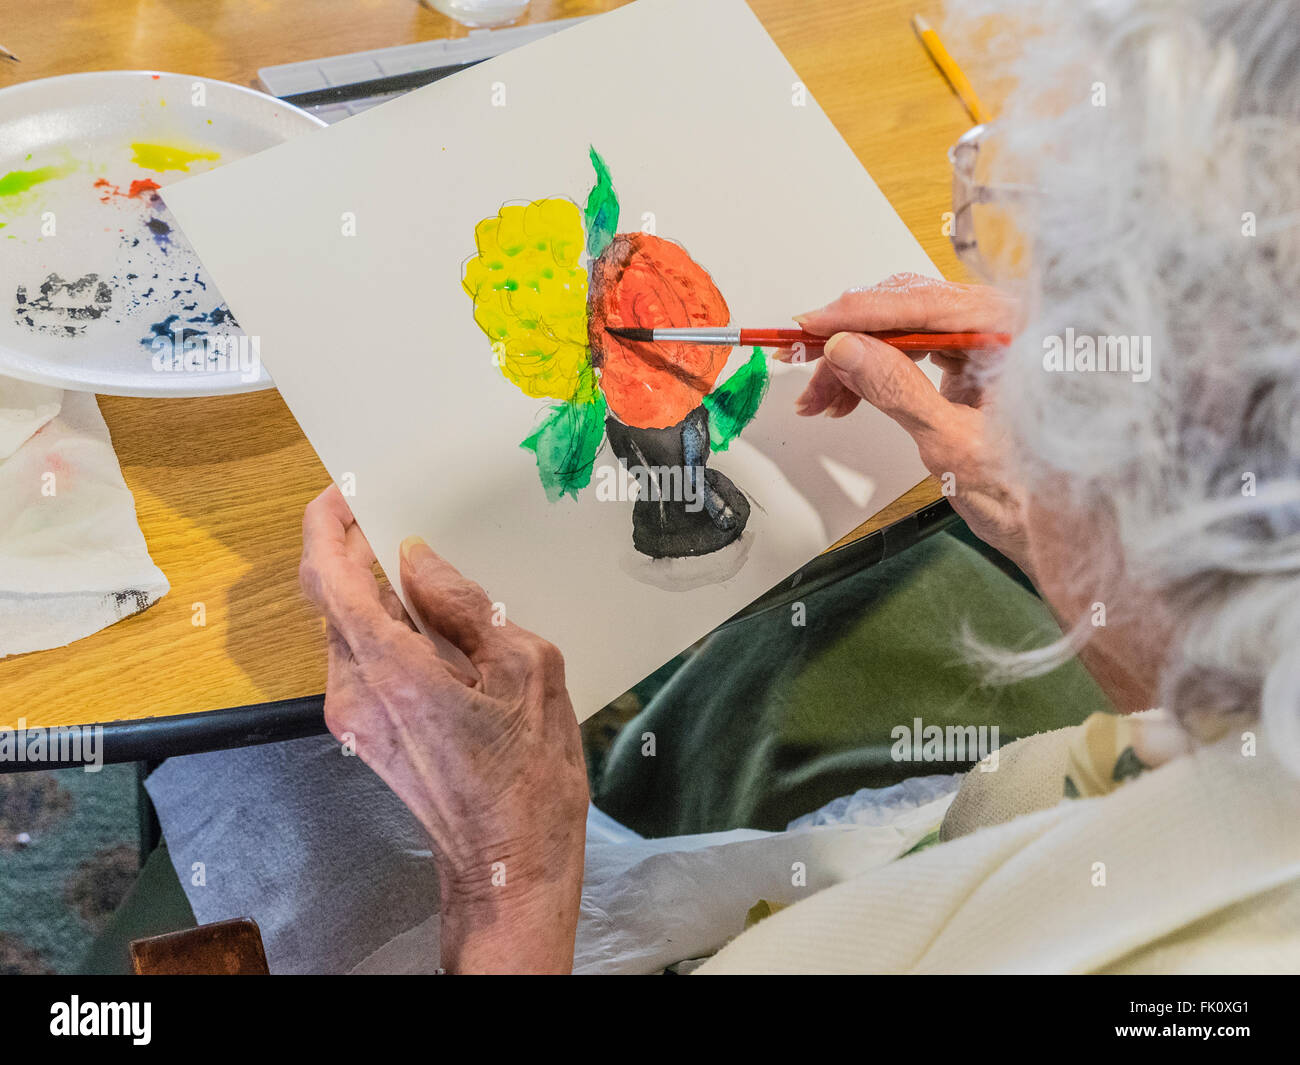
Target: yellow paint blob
x=530 y=297
x=160 y=157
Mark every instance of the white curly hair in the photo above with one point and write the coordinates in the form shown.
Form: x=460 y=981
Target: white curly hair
x=1171 y=210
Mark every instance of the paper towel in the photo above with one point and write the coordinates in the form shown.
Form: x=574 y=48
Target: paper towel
x=72 y=557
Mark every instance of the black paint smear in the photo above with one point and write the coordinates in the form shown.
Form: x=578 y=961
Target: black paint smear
x=161 y=232
x=131 y=602
x=63 y=306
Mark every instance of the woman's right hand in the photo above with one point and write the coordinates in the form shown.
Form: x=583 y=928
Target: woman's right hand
x=949 y=423
x=488 y=757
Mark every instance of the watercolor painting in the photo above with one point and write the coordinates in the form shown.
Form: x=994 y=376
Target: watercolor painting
x=548 y=280
x=493 y=328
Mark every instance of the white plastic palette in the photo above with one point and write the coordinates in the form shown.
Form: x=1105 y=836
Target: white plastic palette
x=98 y=289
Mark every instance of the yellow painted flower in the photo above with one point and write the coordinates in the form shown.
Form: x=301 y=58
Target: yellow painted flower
x=530 y=297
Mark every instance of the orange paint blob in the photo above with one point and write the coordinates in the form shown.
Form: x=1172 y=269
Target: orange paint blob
x=644 y=280
x=136 y=190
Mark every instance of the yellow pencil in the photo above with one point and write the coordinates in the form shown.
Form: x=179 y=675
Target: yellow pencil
x=949 y=69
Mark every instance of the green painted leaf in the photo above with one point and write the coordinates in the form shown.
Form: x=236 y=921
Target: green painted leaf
x=733 y=404
x=601 y=213
x=565 y=445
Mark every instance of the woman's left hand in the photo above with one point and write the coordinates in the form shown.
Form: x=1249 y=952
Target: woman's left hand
x=486 y=754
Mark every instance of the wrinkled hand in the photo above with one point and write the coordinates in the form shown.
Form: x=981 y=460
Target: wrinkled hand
x=949 y=424
x=485 y=752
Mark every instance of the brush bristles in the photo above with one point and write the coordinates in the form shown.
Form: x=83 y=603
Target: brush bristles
x=631 y=334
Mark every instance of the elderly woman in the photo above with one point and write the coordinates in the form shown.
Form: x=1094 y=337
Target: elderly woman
x=1149 y=155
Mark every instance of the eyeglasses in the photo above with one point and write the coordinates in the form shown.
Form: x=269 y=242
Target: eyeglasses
x=985 y=233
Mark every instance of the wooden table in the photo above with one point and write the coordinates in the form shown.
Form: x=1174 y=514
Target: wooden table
x=220 y=484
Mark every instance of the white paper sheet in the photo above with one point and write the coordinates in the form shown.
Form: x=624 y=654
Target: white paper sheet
x=372 y=341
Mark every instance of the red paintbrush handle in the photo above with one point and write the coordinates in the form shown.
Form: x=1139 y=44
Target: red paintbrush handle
x=899 y=338
x=905 y=341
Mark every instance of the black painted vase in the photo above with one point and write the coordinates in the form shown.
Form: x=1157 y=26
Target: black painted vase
x=689 y=510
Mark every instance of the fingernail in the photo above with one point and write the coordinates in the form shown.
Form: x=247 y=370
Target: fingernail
x=802 y=319
x=409 y=545
x=802 y=405
x=843 y=348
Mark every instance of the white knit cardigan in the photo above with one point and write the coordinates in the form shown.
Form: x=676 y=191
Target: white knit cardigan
x=1192 y=867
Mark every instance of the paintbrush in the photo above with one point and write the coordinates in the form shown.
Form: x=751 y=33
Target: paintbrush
x=790 y=338
x=6 y=54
